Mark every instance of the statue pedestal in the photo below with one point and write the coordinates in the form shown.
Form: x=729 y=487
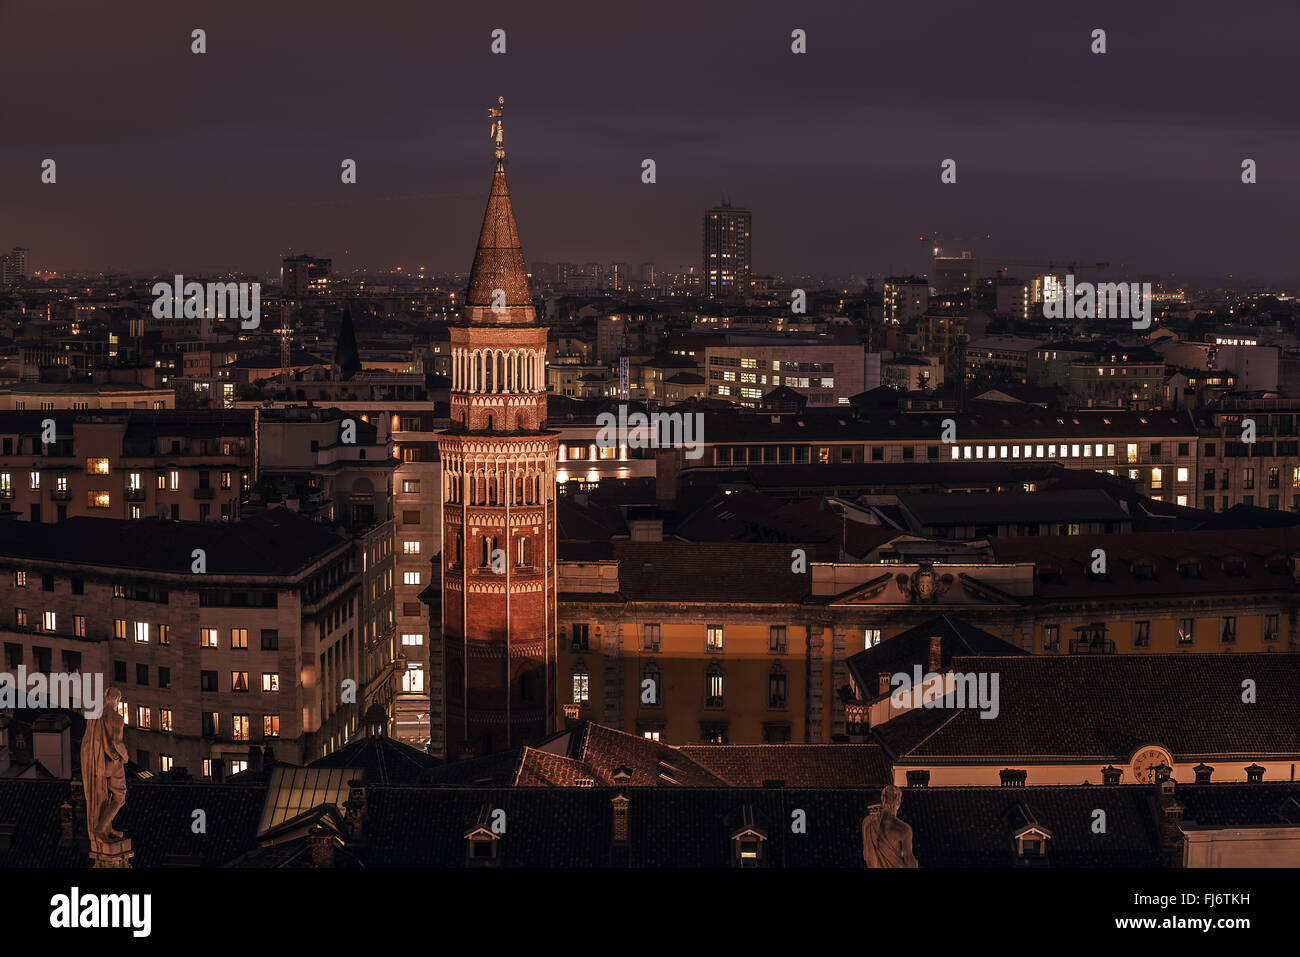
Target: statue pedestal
x=111 y=853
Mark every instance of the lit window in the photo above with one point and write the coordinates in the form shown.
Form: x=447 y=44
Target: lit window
x=49 y=622
x=581 y=687
x=271 y=725
x=208 y=638
x=142 y=632
x=714 y=639
x=238 y=637
x=173 y=480
x=410 y=548
x=413 y=638
x=99 y=499
x=96 y=466
x=413 y=678
x=872 y=636
x=410 y=578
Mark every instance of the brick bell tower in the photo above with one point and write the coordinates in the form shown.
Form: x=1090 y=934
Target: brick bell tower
x=498 y=493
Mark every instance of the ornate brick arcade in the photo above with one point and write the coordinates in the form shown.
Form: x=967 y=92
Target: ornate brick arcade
x=498 y=475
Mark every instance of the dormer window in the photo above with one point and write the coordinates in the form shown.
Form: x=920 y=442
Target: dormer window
x=1203 y=773
x=481 y=847
x=1144 y=571
x=1190 y=568
x=1254 y=774
x=1032 y=845
x=748 y=847
x=1029 y=837
x=1110 y=775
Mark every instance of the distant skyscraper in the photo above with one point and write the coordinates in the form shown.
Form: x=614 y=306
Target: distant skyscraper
x=300 y=274
x=13 y=266
x=953 y=278
x=726 y=251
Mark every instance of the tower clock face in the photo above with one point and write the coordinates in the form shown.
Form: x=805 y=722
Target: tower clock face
x=1146 y=761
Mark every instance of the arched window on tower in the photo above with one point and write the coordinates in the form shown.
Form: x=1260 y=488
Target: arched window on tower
x=460 y=543
x=487 y=552
x=524 y=551
x=489 y=423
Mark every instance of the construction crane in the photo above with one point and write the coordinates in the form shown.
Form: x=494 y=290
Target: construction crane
x=1070 y=266
x=936 y=241
x=286 y=339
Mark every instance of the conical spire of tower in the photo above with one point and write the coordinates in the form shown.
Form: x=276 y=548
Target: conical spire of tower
x=346 y=356
x=499 y=259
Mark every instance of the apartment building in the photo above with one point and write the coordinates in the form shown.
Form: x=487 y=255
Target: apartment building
x=404 y=412
x=183 y=466
x=255 y=651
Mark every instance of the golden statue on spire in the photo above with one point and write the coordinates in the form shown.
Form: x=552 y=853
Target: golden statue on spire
x=496 y=113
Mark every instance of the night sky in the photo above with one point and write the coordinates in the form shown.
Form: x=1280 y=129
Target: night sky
x=172 y=161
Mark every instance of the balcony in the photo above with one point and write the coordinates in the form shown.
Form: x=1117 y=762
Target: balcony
x=1088 y=646
x=134 y=495
x=6 y=493
x=205 y=493
x=61 y=495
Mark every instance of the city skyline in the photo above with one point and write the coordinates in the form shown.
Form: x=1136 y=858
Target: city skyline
x=229 y=167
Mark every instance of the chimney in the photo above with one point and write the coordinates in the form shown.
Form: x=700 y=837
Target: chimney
x=884 y=682
x=936 y=653
x=322 y=847
x=620 y=802
x=466 y=750
x=668 y=464
x=254 y=758
x=356 y=810
x=52 y=743
x=67 y=824
x=268 y=756
x=78 y=799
